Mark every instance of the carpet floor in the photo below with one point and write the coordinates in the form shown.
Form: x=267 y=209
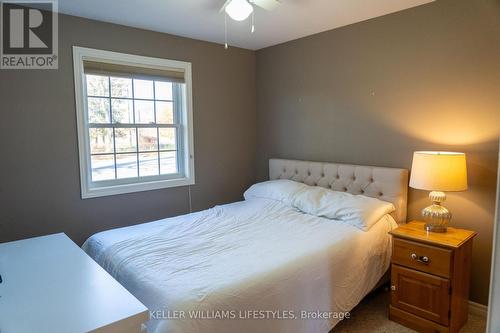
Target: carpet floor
x=371 y=316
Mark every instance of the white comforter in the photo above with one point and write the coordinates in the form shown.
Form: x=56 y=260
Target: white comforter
x=255 y=255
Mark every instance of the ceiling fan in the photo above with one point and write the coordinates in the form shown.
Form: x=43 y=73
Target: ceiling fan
x=239 y=10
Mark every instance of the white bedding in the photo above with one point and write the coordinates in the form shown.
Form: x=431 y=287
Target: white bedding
x=257 y=254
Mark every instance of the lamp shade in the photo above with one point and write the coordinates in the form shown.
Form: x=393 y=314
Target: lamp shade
x=438 y=171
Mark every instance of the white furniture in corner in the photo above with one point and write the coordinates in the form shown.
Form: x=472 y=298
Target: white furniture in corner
x=50 y=285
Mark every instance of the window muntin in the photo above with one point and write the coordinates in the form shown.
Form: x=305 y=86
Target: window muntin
x=135 y=127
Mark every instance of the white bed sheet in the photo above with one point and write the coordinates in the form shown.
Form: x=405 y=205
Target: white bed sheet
x=254 y=255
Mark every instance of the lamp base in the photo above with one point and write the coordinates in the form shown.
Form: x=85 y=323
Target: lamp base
x=435 y=228
x=436 y=216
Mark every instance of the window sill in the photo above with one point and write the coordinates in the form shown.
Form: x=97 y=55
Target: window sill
x=95 y=192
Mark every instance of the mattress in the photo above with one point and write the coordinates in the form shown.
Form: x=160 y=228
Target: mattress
x=251 y=266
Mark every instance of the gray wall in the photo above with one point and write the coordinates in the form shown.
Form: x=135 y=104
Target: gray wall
x=374 y=92
x=39 y=188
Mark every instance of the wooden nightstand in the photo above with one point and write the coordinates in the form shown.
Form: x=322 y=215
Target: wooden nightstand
x=430 y=278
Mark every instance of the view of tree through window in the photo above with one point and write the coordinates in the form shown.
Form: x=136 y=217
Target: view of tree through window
x=133 y=127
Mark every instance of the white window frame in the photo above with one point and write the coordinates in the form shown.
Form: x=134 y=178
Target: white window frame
x=91 y=189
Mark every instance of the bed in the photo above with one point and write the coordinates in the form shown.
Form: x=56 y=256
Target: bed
x=258 y=265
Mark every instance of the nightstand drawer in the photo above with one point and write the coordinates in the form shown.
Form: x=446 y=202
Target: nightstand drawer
x=426 y=258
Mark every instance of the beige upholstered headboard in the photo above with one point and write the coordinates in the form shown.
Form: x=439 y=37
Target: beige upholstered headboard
x=388 y=184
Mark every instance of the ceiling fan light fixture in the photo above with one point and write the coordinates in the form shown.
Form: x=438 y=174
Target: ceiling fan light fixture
x=239 y=10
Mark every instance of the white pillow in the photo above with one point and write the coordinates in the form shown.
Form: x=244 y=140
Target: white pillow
x=283 y=190
x=357 y=210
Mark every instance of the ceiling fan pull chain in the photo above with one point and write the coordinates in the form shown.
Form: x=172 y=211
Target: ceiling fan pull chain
x=253 y=22
x=225 y=31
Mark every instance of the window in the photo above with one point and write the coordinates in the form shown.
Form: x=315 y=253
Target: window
x=134 y=122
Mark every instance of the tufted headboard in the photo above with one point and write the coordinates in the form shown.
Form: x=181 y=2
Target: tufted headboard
x=388 y=184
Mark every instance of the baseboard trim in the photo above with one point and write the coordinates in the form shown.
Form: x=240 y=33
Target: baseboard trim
x=478 y=309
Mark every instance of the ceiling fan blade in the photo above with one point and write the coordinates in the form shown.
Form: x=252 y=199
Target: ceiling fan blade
x=224 y=6
x=266 y=4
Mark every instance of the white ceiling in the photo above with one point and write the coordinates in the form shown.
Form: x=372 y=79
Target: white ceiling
x=200 y=19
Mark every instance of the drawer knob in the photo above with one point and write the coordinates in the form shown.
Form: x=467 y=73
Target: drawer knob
x=422 y=259
x=393 y=287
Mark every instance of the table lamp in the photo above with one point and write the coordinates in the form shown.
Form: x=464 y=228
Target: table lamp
x=438 y=172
